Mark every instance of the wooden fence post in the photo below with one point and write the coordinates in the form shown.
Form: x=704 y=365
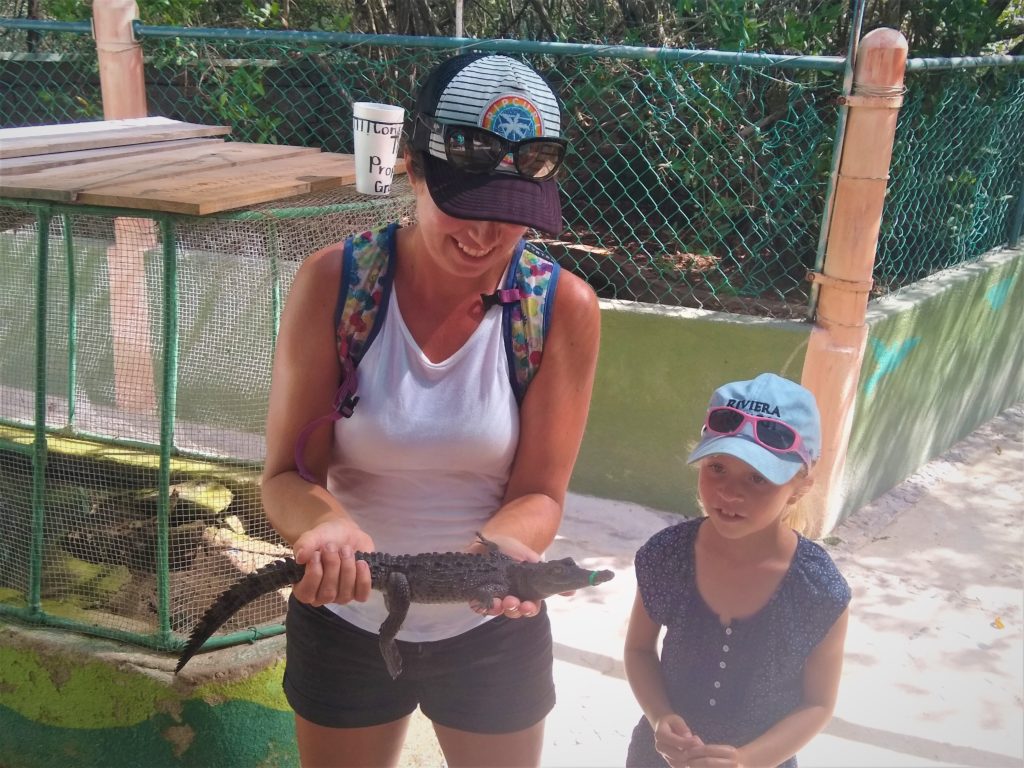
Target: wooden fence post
x=123 y=88
x=836 y=346
x=122 y=81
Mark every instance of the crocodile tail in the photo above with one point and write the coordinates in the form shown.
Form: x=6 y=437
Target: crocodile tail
x=275 y=575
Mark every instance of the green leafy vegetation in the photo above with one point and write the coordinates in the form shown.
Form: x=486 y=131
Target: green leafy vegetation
x=932 y=27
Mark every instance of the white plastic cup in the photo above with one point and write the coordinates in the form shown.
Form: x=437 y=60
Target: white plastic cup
x=377 y=131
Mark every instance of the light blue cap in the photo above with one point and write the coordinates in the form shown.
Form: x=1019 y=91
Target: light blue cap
x=777 y=398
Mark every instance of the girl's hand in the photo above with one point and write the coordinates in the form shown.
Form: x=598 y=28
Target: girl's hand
x=713 y=756
x=675 y=741
x=333 y=575
x=510 y=606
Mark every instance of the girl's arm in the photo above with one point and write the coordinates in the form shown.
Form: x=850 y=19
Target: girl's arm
x=784 y=739
x=672 y=736
x=551 y=423
x=306 y=374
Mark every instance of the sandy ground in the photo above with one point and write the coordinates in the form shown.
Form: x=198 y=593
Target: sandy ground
x=934 y=670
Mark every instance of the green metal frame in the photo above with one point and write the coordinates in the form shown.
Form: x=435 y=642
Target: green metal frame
x=46 y=212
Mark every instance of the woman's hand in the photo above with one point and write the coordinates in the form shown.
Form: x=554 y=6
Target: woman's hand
x=333 y=575
x=675 y=741
x=510 y=606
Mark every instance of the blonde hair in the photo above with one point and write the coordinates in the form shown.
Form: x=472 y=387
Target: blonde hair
x=796 y=516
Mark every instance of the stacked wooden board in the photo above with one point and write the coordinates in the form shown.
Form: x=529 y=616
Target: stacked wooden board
x=157 y=164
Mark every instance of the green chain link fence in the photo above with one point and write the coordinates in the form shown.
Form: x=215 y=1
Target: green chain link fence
x=957 y=180
x=696 y=179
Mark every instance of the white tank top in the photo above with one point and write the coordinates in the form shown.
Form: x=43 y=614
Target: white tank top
x=425 y=458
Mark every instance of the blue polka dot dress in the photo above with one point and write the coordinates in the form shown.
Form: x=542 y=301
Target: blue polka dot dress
x=732 y=683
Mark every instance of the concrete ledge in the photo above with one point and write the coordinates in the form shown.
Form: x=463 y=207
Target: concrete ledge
x=95 y=702
x=943 y=356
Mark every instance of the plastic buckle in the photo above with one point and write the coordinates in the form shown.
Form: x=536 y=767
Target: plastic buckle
x=347 y=405
x=501 y=296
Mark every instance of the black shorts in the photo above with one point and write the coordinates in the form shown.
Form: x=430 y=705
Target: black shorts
x=496 y=678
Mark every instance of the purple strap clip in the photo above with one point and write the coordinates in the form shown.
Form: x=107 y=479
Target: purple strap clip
x=501 y=296
x=345 y=400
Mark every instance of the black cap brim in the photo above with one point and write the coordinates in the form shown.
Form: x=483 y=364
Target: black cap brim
x=494 y=196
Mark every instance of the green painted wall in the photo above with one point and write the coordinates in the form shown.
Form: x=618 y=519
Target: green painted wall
x=657 y=366
x=656 y=371
x=943 y=357
x=88 y=702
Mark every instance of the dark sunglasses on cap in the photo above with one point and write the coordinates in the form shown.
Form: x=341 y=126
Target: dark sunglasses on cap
x=772 y=434
x=474 y=149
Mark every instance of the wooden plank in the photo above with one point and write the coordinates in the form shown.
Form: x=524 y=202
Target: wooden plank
x=33 y=163
x=60 y=129
x=42 y=142
x=212 y=191
x=67 y=183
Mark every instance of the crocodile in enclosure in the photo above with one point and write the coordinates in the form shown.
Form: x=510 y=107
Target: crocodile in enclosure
x=449 y=577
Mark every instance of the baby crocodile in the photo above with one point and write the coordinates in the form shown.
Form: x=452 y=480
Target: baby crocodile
x=449 y=577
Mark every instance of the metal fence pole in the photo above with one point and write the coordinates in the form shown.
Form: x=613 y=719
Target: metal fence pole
x=1018 y=219
x=168 y=411
x=69 y=260
x=39 y=454
x=856 y=25
x=836 y=345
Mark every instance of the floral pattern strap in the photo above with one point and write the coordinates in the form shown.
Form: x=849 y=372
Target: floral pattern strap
x=528 y=319
x=367 y=278
x=367 y=282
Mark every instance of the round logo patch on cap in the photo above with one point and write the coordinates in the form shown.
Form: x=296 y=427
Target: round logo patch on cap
x=514 y=117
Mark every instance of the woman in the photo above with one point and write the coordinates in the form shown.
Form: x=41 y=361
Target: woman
x=438 y=447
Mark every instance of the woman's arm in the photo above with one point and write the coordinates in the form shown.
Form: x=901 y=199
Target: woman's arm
x=552 y=418
x=305 y=376
x=672 y=736
x=551 y=423
x=784 y=739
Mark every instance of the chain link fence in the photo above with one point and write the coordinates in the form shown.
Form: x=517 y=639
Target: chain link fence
x=49 y=76
x=129 y=495
x=691 y=182
x=957 y=178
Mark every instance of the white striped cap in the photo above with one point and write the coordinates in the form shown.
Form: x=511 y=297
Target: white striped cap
x=505 y=96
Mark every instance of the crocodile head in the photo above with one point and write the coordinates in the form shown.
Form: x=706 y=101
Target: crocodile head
x=536 y=581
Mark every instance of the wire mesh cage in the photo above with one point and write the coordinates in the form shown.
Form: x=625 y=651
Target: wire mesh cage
x=135 y=359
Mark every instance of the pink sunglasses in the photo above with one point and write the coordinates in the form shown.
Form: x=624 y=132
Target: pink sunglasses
x=777 y=436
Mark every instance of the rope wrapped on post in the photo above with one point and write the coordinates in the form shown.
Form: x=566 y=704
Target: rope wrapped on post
x=875 y=96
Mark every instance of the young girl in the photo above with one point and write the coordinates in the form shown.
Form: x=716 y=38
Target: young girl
x=755 y=613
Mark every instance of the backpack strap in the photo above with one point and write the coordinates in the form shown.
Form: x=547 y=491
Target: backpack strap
x=364 y=293
x=526 y=321
x=366 y=278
